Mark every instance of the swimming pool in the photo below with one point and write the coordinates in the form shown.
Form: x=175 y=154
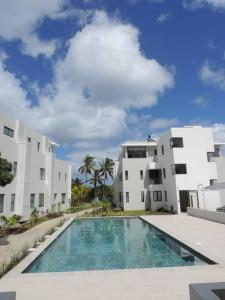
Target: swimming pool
x=113 y=243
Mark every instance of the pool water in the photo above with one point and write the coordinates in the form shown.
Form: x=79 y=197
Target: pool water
x=112 y=243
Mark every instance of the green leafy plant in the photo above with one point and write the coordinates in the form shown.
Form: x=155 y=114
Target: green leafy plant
x=6 y=176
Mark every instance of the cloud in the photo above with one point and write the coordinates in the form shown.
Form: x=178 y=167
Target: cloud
x=102 y=77
x=163 y=17
x=212 y=76
x=219 y=132
x=149 y=1
x=19 y=20
x=196 y=4
x=200 y=101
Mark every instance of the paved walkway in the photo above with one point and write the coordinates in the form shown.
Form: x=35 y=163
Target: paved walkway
x=14 y=243
x=158 y=283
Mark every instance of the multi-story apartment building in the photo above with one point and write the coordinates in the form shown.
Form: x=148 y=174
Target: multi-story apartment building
x=171 y=173
x=40 y=179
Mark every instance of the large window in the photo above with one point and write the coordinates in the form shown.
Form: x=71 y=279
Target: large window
x=179 y=169
x=32 y=201
x=8 y=131
x=41 y=200
x=136 y=152
x=127 y=197
x=42 y=174
x=155 y=176
x=157 y=196
x=176 y=142
x=1 y=203
x=126 y=175
x=12 y=204
x=211 y=156
x=14 y=168
x=63 y=198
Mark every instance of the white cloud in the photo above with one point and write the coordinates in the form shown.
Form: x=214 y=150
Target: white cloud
x=219 y=132
x=212 y=76
x=19 y=19
x=102 y=76
x=200 y=101
x=196 y=4
x=163 y=17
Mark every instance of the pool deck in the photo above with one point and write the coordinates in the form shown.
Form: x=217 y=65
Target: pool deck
x=204 y=236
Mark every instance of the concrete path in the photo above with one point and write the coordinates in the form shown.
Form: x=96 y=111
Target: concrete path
x=14 y=243
x=156 y=283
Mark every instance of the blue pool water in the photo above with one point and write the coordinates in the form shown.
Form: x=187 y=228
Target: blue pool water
x=112 y=243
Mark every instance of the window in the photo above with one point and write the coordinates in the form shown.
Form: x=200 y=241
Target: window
x=1 y=203
x=49 y=149
x=38 y=146
x=32 y=200
x=157 y=196
x=65 y=176
x=213 y=181
x=41 y=199
x=136 y=152
x=149 y=196
x=55 y=196
x=165 y=194
x=142 y=196
x=59 y=176
x=211 y=156
x=14 y=168
x=162 y=149
x=179 y=169
x=126 y=175
x=42 y=174
x=164 y=173
x=12 y=204
x=8 y=131
x=155 y=152
x=155 y=176
x=29 y=140
x=141 y=175
x=127 y=197
x=176 y=142
x=63 y=197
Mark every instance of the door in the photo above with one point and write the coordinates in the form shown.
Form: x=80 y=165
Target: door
x=193 y=198
x=184 y=200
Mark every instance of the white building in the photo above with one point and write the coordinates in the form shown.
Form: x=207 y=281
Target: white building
x=40 y=179
x=170 y=173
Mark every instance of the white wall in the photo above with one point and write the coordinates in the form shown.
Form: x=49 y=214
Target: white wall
x=220 y=163
x=30 y=160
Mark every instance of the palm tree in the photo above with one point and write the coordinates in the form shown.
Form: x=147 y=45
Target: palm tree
x=88 y=166
x=96 y=179
x=106 y=169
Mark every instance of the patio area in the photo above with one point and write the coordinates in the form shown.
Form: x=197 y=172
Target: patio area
x=204 y=236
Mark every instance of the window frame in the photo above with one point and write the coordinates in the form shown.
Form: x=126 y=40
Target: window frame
x=141 y=175
x=2 y=200
x=12 y=202
x=32 y=200
x=126 y=176
x=41 y=201
x=142 y=196
x=8 y=131
x=157 y=198
x=127 y=197
x=42 y=173
x=172 y=140
x=173 y=169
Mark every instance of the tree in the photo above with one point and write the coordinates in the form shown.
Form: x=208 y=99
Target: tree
x=88 y=166
x=6 y=176
x=96 y=180
x=79 y=193
x=106 y=170
x=76 y=182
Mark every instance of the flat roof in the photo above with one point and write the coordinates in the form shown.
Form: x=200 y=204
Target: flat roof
x=139 y=143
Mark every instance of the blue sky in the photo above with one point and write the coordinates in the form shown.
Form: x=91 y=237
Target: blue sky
x=91 y=73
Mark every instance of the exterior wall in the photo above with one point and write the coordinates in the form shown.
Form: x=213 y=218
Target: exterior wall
x=197 y=141
x=220 y=163
x=214 y=216
x=29 y=161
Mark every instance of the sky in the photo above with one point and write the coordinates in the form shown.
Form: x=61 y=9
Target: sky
x=91 y=74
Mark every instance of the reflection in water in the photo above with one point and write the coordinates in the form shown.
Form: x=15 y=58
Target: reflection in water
x=112 y=243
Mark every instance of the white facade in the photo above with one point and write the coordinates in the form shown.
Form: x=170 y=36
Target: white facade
x=40 y=179
x=170 y=173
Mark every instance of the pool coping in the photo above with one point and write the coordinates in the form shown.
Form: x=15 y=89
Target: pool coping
x=18 y=270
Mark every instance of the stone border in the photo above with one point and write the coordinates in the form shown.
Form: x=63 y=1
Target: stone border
x=214 y=216
x=31 y=257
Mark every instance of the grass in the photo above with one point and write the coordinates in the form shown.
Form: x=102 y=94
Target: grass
x=129 y=213
x=81 y=207
x=17 y=256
